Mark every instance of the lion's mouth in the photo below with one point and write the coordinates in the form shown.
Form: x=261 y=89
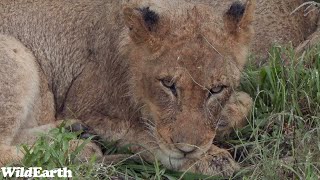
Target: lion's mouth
x=170 y=160
x=172 y=157
x=172 y=152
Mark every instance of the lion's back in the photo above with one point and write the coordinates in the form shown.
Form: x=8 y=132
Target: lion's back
x=274 y=22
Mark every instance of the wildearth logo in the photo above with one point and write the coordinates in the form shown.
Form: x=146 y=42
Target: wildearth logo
x=35 y=172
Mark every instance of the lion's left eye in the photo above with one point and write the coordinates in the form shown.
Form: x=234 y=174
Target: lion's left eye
x=216 y=90
x=169 y=84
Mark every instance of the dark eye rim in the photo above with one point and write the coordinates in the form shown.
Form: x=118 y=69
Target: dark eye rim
x=211 y=92
x=171 y=87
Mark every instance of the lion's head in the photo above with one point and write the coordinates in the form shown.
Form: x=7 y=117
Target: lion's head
x=185 y=63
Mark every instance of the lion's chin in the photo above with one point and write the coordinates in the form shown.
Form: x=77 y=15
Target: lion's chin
x=171 y=161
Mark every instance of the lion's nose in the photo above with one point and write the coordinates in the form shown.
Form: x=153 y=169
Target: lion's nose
x=185 y=148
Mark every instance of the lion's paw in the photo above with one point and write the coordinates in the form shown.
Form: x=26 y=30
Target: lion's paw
x=85 y=131
x=216 y=162
x=218 y=165
x=87 y=151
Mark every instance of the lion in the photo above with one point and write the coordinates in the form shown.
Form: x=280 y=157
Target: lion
x=161 y=75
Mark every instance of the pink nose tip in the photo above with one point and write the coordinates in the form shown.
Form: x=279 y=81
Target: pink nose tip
x=186 y=149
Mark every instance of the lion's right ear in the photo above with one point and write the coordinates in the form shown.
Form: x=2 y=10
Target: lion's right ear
x=238 y=21
x=142 y=23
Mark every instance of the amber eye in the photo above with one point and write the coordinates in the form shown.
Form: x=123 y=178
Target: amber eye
x=169 y=84
x=216 y=90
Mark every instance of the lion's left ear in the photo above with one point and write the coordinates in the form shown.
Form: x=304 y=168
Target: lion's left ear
x=142 y=23
x=238 y=21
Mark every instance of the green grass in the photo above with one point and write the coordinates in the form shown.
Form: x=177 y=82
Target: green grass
x=281 y=140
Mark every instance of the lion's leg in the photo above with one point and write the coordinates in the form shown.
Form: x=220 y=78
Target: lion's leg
x=234 y=115
x=120 y=131
x=311 y=41
x=109 y=129
x=124 y=133
x=19 y=87
x=29 y=136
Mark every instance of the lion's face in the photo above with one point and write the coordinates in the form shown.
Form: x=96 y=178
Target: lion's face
x=184 y=91
x=183 y=77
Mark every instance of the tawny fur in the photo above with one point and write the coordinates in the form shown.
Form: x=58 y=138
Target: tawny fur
x=101 y=62
x=274 y=23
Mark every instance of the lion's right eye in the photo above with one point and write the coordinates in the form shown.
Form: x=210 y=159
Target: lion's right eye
x=216 y=90
x=169 y=84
